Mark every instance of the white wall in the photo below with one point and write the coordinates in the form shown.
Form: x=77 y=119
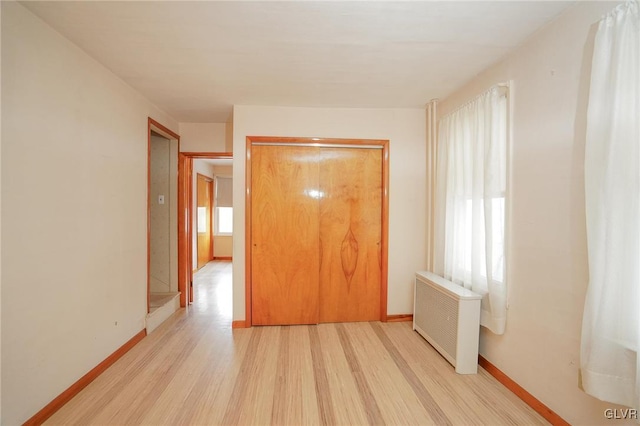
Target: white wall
x=223 y=246
x=203 y=137
x=547 y=255
x=74 y=212
x=224 y=171
x=228 y=142
x=406 y=130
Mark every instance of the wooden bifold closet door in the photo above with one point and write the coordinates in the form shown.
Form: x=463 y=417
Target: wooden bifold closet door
x=350 y=234
x=204 y=201
x=284 y=235
x=316 y=232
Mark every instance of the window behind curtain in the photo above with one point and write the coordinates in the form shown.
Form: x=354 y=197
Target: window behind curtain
x=223 y=218
x=609 y=359
x=472 y=163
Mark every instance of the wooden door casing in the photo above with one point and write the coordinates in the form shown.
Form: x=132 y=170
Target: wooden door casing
x=284 y=235
x=185 y=171
x=355 y=246
x=350 y=234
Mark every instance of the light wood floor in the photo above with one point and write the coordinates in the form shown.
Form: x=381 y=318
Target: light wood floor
x=195 y=370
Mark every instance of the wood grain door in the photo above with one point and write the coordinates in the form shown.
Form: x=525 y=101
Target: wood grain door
x=350 y=227
x=203 y=219
x=284 y=237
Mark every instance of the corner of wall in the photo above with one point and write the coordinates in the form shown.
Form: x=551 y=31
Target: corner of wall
x=228 y=143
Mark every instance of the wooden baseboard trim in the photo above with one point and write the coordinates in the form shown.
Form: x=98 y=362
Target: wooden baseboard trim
x=521 y=393
x=50 y=409
x=239 y=324
x=399 y=318
x=223 y=258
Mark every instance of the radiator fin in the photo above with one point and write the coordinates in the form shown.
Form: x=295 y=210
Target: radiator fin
x=448 y=316
x=438 y=317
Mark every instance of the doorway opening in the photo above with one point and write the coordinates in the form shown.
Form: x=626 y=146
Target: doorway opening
x=162 y=224
x=204 y=185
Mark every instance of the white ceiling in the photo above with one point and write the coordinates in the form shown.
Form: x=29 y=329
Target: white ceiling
x=195 y=60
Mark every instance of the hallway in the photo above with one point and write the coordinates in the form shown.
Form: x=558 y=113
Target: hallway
x=195 y=370
x=213 y=293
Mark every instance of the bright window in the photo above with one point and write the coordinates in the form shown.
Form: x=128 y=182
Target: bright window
x=224 y=220
x=472 y=174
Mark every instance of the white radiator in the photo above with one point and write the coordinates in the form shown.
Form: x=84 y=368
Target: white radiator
x=448 y=316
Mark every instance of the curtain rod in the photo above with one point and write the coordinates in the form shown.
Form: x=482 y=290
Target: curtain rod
x=505 y=86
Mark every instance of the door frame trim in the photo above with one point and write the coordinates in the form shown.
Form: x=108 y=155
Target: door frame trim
x=172 y=136
x=310 y=141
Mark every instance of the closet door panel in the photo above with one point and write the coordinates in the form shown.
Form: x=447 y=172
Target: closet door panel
x=350 y=234
x=284 y=253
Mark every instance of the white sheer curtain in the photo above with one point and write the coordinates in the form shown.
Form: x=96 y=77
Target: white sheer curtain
x=611 y=323
x=472 y=145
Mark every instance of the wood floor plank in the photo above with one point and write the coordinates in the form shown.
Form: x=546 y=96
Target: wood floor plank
x=303 y=368
x=145 y=400
x=143 y=390
x=294 y=400
x=374 y=416
x=242 y=382
x=256 y=404
x=182 y=398
x=280 y=403
x=341 y=388
x=435 y=372
x=397 y=401
x=195 y=370
x=462 y=397
x=418 y=387
x=217 y=388
x=427 y=365
x=323 y=396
